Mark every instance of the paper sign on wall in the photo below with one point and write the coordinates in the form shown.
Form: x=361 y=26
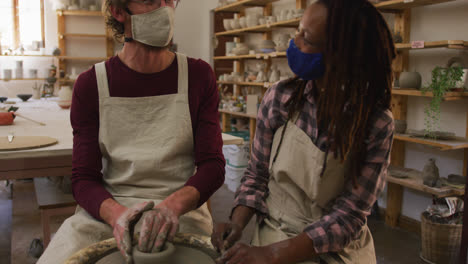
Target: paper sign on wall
x=417 y=44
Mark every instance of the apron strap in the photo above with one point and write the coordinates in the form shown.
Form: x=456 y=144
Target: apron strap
x=182 y=74
x=101 y=76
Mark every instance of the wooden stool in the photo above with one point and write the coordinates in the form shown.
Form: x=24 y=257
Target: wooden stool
x=52 y=202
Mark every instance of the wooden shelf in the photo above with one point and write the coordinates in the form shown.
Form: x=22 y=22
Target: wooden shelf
x=261 y=28
x=261 y=84
x=458 y=143
x=450 y=44
x=79 y=13
x=450 y=96
x=71 y=35
x=241 y=5
x=240 y=114
x=29 y=55
x=417 y=184
x=396 y=5
x=24 y=79
x=260 y=56
x=82 y=58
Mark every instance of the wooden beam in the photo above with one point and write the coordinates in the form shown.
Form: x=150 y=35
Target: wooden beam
x=42 y=24
x=16 y=32
x=301 y=4
x=394 y=201
x=399 y=109
x=61 y=41
x=226 y=122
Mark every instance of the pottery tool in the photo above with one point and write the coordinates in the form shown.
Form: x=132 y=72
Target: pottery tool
x=29 y=119
x=10 y=137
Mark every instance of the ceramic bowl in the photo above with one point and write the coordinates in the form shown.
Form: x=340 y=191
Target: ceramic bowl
x=235 y=24
x=227 y=24
x=243 y=22
x=262 y=21
x=64 y=104
x=267 y=44
x=3 y=99
x=24 y=97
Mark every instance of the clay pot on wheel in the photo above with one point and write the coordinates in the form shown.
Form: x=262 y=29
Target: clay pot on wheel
x=163 y=257
x=410 y=80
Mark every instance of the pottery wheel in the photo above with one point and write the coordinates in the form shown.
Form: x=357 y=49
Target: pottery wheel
x=24 y=142
x=182 y=255
x=189 y=249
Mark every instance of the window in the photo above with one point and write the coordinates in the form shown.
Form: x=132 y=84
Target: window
x=21 y=22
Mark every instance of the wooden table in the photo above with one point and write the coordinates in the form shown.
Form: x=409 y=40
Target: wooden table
x=53 y=160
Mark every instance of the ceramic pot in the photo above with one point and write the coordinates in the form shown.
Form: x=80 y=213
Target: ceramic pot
x=243 y=22
x=262 y=21
x=271 y=19
x=65 y=93
x=400 y=126
x=410 y=80
x=275 y=75
x=163 y=257
x=227 y=24
x=430 y=173
x=235 y=24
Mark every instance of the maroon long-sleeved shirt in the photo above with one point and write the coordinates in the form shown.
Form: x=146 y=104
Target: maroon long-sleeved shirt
x=88 y=189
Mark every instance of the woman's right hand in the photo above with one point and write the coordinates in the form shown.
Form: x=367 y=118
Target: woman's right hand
x=225 y=235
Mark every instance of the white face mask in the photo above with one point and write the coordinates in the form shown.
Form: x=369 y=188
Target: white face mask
x=155 y=28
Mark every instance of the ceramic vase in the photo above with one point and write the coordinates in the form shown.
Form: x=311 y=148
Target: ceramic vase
x=410 y=80
x=163 y=257
x=65 y=97
x=430 y=173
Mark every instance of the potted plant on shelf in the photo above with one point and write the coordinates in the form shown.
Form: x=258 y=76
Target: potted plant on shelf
x=443 y=80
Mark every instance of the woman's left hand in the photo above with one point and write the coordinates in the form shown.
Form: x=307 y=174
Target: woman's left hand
x=243 y=254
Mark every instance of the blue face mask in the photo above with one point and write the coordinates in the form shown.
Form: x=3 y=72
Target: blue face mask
x=308 y=66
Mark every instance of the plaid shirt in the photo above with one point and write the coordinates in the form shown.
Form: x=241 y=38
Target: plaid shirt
x=348 y=214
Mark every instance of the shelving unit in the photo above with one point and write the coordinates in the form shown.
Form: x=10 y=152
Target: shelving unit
x=260 y=56
x=449 y=44
x=224 y=64
x=63 y=36
x=293 y=23
x=264 y=85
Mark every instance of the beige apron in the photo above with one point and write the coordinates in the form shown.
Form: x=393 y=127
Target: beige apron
x=299 y=195
x=147 y=148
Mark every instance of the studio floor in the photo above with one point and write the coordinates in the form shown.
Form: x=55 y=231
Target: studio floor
x=22 y=224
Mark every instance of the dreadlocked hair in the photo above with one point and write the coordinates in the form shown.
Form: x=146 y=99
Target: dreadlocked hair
x=357 y=81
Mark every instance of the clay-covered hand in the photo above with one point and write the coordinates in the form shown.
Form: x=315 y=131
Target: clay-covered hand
x=243 y=254
x=225 y=235
x=122 y=228
x=158 y=226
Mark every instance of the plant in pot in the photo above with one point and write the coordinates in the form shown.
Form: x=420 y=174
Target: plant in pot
x=443 y=80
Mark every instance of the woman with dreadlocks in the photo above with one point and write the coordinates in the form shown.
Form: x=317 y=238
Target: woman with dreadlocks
x=322 y=147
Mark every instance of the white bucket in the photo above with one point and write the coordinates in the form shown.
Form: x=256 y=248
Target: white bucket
x=237 y=156
x=234 y=176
